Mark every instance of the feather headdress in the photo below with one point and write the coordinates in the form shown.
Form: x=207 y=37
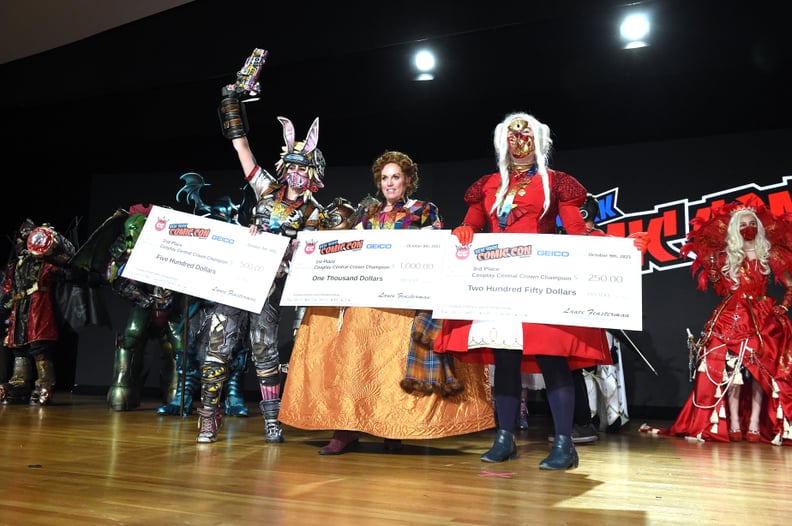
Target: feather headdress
x=707 y=238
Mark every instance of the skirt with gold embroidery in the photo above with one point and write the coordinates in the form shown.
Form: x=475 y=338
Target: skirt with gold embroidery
x=345 y=370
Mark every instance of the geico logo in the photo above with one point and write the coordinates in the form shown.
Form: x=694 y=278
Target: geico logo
x=222 y=239
x=377 y=245
x=555 y=253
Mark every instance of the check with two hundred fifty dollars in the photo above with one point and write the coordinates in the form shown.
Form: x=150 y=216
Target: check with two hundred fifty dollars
x=561 y=279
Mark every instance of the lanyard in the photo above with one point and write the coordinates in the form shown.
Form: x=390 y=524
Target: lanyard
x=522 y=181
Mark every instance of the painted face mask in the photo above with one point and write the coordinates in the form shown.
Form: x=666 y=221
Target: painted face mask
x=748 y=233
x=298 y=179
x=521 y=140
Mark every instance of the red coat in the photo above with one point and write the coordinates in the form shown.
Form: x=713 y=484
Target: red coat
x=583 y=346
x=30 y=284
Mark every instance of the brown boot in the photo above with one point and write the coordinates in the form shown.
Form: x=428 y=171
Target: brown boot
x=17 y=389
x=42 y=392
x=341 y=442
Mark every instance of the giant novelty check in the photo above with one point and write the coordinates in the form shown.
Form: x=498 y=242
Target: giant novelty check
x=586 y=281
x=206 y=258
x=366 y=268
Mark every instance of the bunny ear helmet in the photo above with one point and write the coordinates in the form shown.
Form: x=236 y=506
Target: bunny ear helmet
x=303 y=153
x=288 y=133
x=312 y=139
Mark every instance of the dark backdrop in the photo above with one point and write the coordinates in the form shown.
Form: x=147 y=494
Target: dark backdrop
x=646 y=175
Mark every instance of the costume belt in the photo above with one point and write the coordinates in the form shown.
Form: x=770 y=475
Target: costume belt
x=35 y=288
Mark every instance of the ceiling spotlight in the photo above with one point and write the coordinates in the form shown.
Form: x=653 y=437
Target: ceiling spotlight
x=634 y=29
x=425 y=63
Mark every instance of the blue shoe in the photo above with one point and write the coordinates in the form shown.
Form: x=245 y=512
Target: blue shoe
x=562 y=456
x=504 y=448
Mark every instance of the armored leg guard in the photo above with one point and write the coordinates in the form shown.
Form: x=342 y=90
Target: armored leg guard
x=17 y=389
x=234 y=398
x=124 y=392
x=209 y=423
x=213 y=376
x=272 y=426
x=42 y=392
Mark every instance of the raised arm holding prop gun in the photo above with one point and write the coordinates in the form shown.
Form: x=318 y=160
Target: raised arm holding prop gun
x=285 y=205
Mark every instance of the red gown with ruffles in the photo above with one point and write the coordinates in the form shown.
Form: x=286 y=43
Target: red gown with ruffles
x=583 y=346
x=744 y=324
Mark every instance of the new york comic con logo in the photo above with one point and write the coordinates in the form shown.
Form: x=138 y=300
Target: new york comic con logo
x=491 y=252
x=669 y=223
x=333 y=247
x=183 y=230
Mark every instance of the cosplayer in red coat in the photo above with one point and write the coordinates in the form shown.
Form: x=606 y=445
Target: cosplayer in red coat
x=525 y=196
x=583 y=346
x=28 y=293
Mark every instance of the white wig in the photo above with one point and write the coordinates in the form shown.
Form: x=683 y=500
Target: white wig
x=542 y=143
x=734 y=246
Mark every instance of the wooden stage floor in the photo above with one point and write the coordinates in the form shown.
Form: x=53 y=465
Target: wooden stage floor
x=76 y=462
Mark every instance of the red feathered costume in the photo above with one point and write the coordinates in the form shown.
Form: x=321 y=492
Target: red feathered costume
x=743 y=329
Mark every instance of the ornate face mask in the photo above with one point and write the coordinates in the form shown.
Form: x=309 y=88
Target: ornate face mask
x=749 y=232
x=521 y=139
x=297 y=177
x=42 y=241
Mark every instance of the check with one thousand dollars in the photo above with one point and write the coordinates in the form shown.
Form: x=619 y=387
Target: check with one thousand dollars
x=206 y=258
x=365 y=268
x=589 y=281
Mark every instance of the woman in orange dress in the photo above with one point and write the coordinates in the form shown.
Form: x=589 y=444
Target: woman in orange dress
x=353 y=369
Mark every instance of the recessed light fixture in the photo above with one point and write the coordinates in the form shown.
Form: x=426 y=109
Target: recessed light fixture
x=424 y=61
x=634 y=30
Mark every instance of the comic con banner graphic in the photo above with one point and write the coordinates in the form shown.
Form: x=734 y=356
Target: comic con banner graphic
x=206 y=258
x=669 y=223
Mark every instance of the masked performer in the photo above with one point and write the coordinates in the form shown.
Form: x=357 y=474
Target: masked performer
x=742 y=386
x=199 y=313
x=284 y=206
x=526 y=196
x=153 y=314
x=28 y=291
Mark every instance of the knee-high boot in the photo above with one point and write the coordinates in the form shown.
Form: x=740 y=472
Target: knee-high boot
x=124 y=393
x=234 y=398
x=563 y=455
x=184 y=395
x=187 y=385
x=17 y=389
x=170 y=375
x=42 y=392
